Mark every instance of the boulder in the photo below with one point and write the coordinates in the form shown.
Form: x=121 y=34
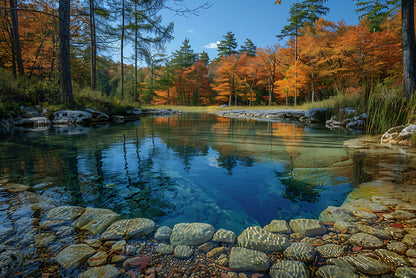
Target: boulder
x=89 y=215
x=289 y=269
x=318 y=115
x=191 y=234
x=259 y=239
x=163 y=233
x=224 y=236
x=71 y=117
x=307 y=227
x=98 y=116
x=399 y=135
x=332 y=214
x=129 y=228
x=106 y=271
x=334 y=271
x=278 y=227
x=65 y=213
x=368 y=265
x=183 y=251
x=33 y=122
x=300 y=251
x=243 y=259
x=366 y=241
x=74 y=255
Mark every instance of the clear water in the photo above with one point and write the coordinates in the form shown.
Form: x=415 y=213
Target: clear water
x=192 y=167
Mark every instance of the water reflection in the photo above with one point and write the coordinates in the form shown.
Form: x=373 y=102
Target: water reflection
x=191 y=167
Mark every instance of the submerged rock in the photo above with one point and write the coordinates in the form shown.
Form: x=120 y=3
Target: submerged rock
x=300 y=251
x=259 y=239
x=289 y=269
x=107 y=271
x=390 y=258
x=307 y=227
x=366 y=240
x=333 y=214
x=183 y=251
x=330 y=250
x=334 y=271
x=65 y=213
x=224 y=236
x=74 y=255
x=368 y=265
x=243 y=259
x=278 y=227
x=129 y=228
x=10 y=261
x=163 y=233
x=164 y=249
x=191 y=233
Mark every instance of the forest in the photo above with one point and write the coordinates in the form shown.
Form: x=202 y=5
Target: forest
x=317 y=60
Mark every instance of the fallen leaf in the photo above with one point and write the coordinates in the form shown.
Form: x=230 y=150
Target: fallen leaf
x=131 y=274
x=357 y=249
x=143 y=260
x=396 y=225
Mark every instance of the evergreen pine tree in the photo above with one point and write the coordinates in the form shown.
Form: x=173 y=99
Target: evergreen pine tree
x=227 y=46
x=204 y=57
x=184 y=57
x=248 y=48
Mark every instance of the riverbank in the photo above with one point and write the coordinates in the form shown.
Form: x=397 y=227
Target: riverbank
x=372 y=233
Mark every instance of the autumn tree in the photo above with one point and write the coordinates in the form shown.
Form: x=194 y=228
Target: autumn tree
x=226 y=83
x=377 y=11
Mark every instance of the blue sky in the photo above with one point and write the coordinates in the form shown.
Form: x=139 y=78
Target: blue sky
x=259 y=21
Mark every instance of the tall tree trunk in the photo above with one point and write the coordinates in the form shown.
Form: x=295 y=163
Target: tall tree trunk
x=66 y=82
x=409 y=47
x=93 y=47
x=136 y=45
x=122 y=51
x=296 y=60
x=16 y=38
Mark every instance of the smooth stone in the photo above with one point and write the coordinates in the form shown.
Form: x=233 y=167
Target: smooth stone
x=342 y=226
x=300 y=251
x=409 y=239
x=116 y=258
x=107 y=271
x=412 y=261
x=406 y=206
x=93 y=242
x=400 y=215
x=129 y=228
x=397 y=247
x=365 y=204
x=164 y=249
x=131 y=250
x=44 y=239
x=258 y=239
x=65 y=213
x=341 y=262
x=333 y=214
x=191 y=234
x=74 y=255
x=89 y=215
x=364 y=214
x=334 y=271
x=390 y=258
x=163 y=233
x=98 y=225
x=278 y=227
x=48 y=224
x=411 y=253
x=366 y=240
x=222 y=260
x=289 y=269
x=368 y=265
x=307 y=227
x=224 y=236
x=183 y=251
x=216 y=252
x=65 y=231
x=330 y=250
x=206 y=247
x=100 y=258
x=380 y=233
x=406 y=272
x=243 y=259
x=119 y=245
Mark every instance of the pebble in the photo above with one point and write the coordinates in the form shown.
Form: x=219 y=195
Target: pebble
x=307 y=227
x=397 y=246
x=163 y=233
x=99 y=258
x=330 y=250
x=411 y=253
x=406 y=272
x=216 y=252
x=183 y=251
x=224 y=236
x=278 y=227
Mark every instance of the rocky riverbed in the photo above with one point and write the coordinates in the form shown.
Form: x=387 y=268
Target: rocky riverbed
x=373 y=234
